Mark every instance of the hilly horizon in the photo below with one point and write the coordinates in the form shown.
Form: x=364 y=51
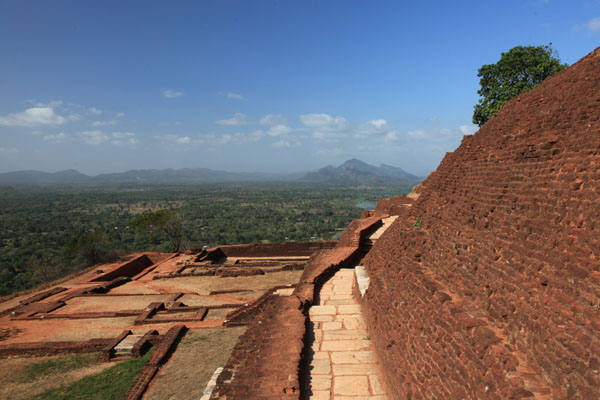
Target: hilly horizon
x=351 y=172
x=355 y=171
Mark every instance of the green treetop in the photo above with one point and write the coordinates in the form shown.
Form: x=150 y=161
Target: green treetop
x=520 y=69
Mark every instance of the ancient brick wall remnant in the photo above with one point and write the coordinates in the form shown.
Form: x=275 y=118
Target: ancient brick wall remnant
x=265 y=363
x=488 y=286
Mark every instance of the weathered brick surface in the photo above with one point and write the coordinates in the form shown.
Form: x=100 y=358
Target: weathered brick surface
x=42 y=295
x=265 y=363
x=108 y=350
x=323 y=264
x=29 y=310
x=53 y=348
x=245 y=315
x=352 y=235
x=129 y=268
x=149 y=312
x=165 y=347
x=497 y=294
x=270 y=249
x=393 y=206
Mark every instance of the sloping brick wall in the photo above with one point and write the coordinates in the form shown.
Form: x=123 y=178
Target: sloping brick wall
x=274 y=249
x=495 y=292
x=264 y=364
x=393 y=206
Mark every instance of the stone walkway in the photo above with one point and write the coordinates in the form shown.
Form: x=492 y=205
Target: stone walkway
x=342 y=364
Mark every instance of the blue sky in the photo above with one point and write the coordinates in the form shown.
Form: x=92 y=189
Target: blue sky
x=256 y=85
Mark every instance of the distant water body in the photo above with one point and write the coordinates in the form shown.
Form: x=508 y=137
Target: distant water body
x=366 y=205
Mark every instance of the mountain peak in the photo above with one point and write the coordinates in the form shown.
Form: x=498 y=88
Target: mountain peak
x=355 y=171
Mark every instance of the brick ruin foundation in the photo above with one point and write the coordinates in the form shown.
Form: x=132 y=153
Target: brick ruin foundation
x=158 y=312
x=487 y=285
x=484 y=284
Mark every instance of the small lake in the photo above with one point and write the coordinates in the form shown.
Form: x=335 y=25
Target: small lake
x=366 y=205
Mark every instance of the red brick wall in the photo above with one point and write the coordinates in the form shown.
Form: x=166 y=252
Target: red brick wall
x=53 y=348
x=276 y=249
x=393 y=206
x=128 y=268
x=497 y=294
x=265 y=361
x=165 y=347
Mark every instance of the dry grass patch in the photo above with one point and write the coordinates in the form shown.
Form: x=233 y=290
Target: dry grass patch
x=201 y=352
x=194 y=300
x=109 y=303
x=24 y=378
x=57 y=330
x=218 y=314
x=206 y=284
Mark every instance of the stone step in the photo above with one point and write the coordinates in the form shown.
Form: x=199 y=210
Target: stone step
x=125 y=346
x=343 y=365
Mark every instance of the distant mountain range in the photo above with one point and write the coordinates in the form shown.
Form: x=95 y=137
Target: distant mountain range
x=357 y=172
x=352 y=172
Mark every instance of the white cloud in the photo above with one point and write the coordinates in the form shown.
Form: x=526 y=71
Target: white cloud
x=56 y=139
x=183 y=140
x=51 y=103
x=232 y=138
x=213 y=139
x=328 y=135
x=120 y=114
x=122 y=135
x=94 y=111
x=272 y=119
x=279 y=130
x=593 y=24
x=235 y=96
x=286 y=143
x=103 y=123
x=430 y=136
x=331 y=152
x=468 y=129
x=417 y=133
x=391 y=136
x=174 y=139
x=238 y=119
x=170 y=94
x=7 y=149
x=374 y=127
x=123 y=138
x=93 y=138
x=323 y=121
x=254 y=136
x=378 y=123
x=35 y=116
x=325 y=126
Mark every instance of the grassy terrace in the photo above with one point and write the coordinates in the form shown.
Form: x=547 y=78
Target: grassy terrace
x=68 y=377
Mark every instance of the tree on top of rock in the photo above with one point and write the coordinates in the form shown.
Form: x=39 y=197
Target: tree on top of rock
x=520 y=69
